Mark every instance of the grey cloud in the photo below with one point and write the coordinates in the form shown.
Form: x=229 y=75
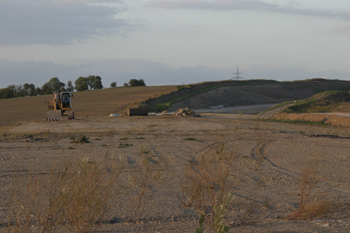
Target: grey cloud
x=55 y=23
x=249 y=5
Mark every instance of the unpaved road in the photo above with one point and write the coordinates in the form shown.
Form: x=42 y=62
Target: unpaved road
x=270 y=159
x=245 y=109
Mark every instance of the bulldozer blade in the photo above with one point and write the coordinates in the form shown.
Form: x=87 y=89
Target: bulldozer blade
x=54 y=115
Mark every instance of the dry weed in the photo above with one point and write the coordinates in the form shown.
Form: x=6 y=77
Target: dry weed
x=309 y=205
x=141 y=183
x=74 y=196
x=206 y=186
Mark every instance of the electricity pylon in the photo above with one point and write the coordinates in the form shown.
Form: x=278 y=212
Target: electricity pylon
x=237 y=75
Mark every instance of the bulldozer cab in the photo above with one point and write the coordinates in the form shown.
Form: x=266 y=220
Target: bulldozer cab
x=66 y=100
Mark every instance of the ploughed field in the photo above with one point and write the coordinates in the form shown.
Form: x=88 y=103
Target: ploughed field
x=90 y=103
x=165 y=173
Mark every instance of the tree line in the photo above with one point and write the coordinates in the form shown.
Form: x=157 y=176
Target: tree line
x=55 y=85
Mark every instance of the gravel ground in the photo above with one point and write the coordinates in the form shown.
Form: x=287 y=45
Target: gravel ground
x=270 y=158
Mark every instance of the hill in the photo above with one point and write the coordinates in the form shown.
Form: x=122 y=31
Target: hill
x=85 y=104
x=247 y=92
x=328 y=101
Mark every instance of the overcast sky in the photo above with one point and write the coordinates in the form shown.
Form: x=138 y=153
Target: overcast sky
x=173 y=41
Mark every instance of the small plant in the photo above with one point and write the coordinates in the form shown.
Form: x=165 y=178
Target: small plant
x=190 y=139
x=309 y=206
x=206 y=185
x=140 y=184
x=139 y=138
x=81 y=139
x=124 y=145
x=144 y=151
x=124 y=138
x=201 y=221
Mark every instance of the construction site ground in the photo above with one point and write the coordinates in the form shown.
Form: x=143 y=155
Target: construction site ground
x=270 y=159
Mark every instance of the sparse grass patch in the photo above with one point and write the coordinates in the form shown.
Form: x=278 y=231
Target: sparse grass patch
x=74 y=197
x=206 y=186
x=124 y=145
x=141 y=184
x=309 y=205
x=81 y=139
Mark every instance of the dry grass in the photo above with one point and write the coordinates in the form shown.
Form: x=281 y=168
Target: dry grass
x=73 y=197
x=85 y=104
x=141 y=184
x=206 y=186
x=310 y=206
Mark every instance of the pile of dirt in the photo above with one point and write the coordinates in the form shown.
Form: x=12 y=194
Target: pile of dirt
x=186 y=112
x=322 y=118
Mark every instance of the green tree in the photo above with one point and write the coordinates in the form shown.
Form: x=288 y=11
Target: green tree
x=38 y=91
x=135 y=82
x=113 y=84
x=54 y=85
x=94 y=82
x=81 y=84
x=29 y=89
x=70 y=86
x=97 y=83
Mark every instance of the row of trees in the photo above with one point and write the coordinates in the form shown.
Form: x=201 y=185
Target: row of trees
x=54 y=84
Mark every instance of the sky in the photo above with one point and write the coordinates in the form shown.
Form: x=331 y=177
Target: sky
x=173 y=42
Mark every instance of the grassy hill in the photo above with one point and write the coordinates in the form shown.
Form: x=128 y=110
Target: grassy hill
x=85 y=104
x=327 y=101
x=242 y=92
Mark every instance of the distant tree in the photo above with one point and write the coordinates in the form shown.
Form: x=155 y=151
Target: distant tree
x=29 y=89
x=126 y=84
x=19 y=91
x=94 y=82
x=135 y=82
x=97 y=84
x=141 y=82
x=8 y=92
x=81 y=84
x=38 y=91
x=46 y=89
x=113 y=84
x=54 y=85
x=70 y=86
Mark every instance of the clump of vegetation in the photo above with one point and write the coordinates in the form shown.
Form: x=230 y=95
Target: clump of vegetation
x=124 y=145
x=74 y=197
x=309 y=206
x=140 y=184
x=190 y=139
x=81 y=139
x=206 y=186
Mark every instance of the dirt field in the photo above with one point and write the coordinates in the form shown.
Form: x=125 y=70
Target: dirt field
x=263 y=180
x=95 y=103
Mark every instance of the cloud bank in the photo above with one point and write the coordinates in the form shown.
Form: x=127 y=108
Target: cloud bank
x=291 y=8
x=55 y=22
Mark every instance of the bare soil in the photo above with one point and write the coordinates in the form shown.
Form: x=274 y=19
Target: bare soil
x=265 y=191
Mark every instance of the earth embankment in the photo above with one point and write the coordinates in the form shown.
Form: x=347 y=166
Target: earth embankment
x=233 y=93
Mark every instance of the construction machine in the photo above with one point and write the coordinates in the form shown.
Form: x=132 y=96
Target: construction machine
x=59 y=107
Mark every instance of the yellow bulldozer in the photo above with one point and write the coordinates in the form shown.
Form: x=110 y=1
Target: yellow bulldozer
x=60 y=107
